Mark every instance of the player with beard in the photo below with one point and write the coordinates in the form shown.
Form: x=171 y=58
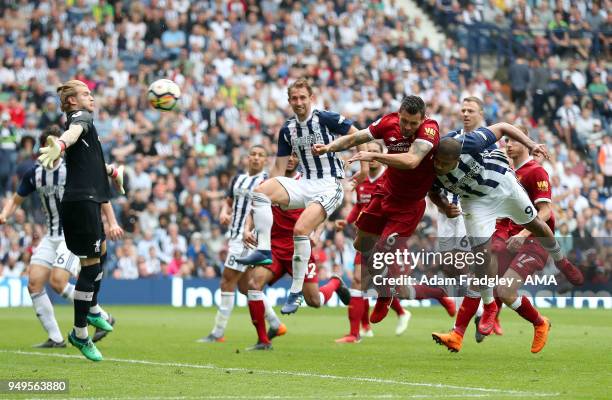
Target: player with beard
x=396 y=207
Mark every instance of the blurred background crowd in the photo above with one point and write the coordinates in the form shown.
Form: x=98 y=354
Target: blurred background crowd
x=234 y=59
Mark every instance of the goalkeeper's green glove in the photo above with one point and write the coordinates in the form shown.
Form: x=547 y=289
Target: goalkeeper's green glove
x=51 y=152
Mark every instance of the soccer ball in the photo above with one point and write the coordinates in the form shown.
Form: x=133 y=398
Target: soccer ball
x=164 y=94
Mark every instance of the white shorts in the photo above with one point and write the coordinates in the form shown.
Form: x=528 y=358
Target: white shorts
x=236 y=249
x=53 y=253
x=451 y=233
x=508 y=200
x=326 y=191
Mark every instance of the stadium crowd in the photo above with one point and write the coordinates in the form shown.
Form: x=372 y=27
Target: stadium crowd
x=233 y=60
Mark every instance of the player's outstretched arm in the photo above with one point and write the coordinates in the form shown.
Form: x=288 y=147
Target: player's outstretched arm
x=10 y=207
x=410 y=160
x=56 y=146
x=344 y=142
x=511 y=131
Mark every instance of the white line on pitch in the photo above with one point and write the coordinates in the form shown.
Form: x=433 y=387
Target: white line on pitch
x=294 y=373
x=274 y=397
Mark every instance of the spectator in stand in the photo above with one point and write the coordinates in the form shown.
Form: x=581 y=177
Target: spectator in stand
x=519 y=80
x=604 y=161
x=559 y=34
x=567 y=115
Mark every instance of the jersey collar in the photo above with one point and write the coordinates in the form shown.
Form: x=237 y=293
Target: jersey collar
x=516 y=168
x=372 y=180
x=307 y=118
x=462 y=131
x=257 y=174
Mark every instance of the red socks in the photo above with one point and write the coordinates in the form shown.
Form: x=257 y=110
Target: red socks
x=355 y=313
x=329 y=288
x=258 y=312
x=397 y=307
x=500 y=304
x=381 y=308
x=365 y=317
x=528 y=311
x=468 y=309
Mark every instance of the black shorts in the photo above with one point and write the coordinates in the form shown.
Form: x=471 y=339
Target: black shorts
x=83 y=228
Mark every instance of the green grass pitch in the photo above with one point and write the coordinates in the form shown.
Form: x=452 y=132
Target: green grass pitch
x=152 y=354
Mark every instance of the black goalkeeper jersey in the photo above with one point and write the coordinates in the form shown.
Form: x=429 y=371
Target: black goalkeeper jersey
x=86 y=177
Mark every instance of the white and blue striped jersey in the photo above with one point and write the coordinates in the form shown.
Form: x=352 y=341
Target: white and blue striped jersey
x=240 y=191
x=321 y=127
x=452 y=197
x=49 y=183
x=480 y=167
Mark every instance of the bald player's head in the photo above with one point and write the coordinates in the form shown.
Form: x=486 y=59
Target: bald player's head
x=447 y=156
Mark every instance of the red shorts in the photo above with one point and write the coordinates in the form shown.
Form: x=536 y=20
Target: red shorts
x=498 y=241
x=376 y=218
x=357 y=258
x=530 y=258
x=282 y=265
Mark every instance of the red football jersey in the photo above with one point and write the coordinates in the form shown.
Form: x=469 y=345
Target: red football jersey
x=284 y=222
x=407 y=185
x=534 y=178
x=364 y=192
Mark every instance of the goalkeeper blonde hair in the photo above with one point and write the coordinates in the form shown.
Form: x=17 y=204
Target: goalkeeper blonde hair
x=68 y=89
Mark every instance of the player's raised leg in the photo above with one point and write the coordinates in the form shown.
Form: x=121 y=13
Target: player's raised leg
x=270 y=191
x=317 y=296
x=547 y=239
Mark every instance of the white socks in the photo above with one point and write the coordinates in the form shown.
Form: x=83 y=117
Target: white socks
x=301 y=256
x=262 y=219
x=98 y=310
x=68 y=292
x=81 y=333
x=487 y=295
x=44 y=312
x=271 y=316
x=223 y=313
x=555 y=252
x=517 y=303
